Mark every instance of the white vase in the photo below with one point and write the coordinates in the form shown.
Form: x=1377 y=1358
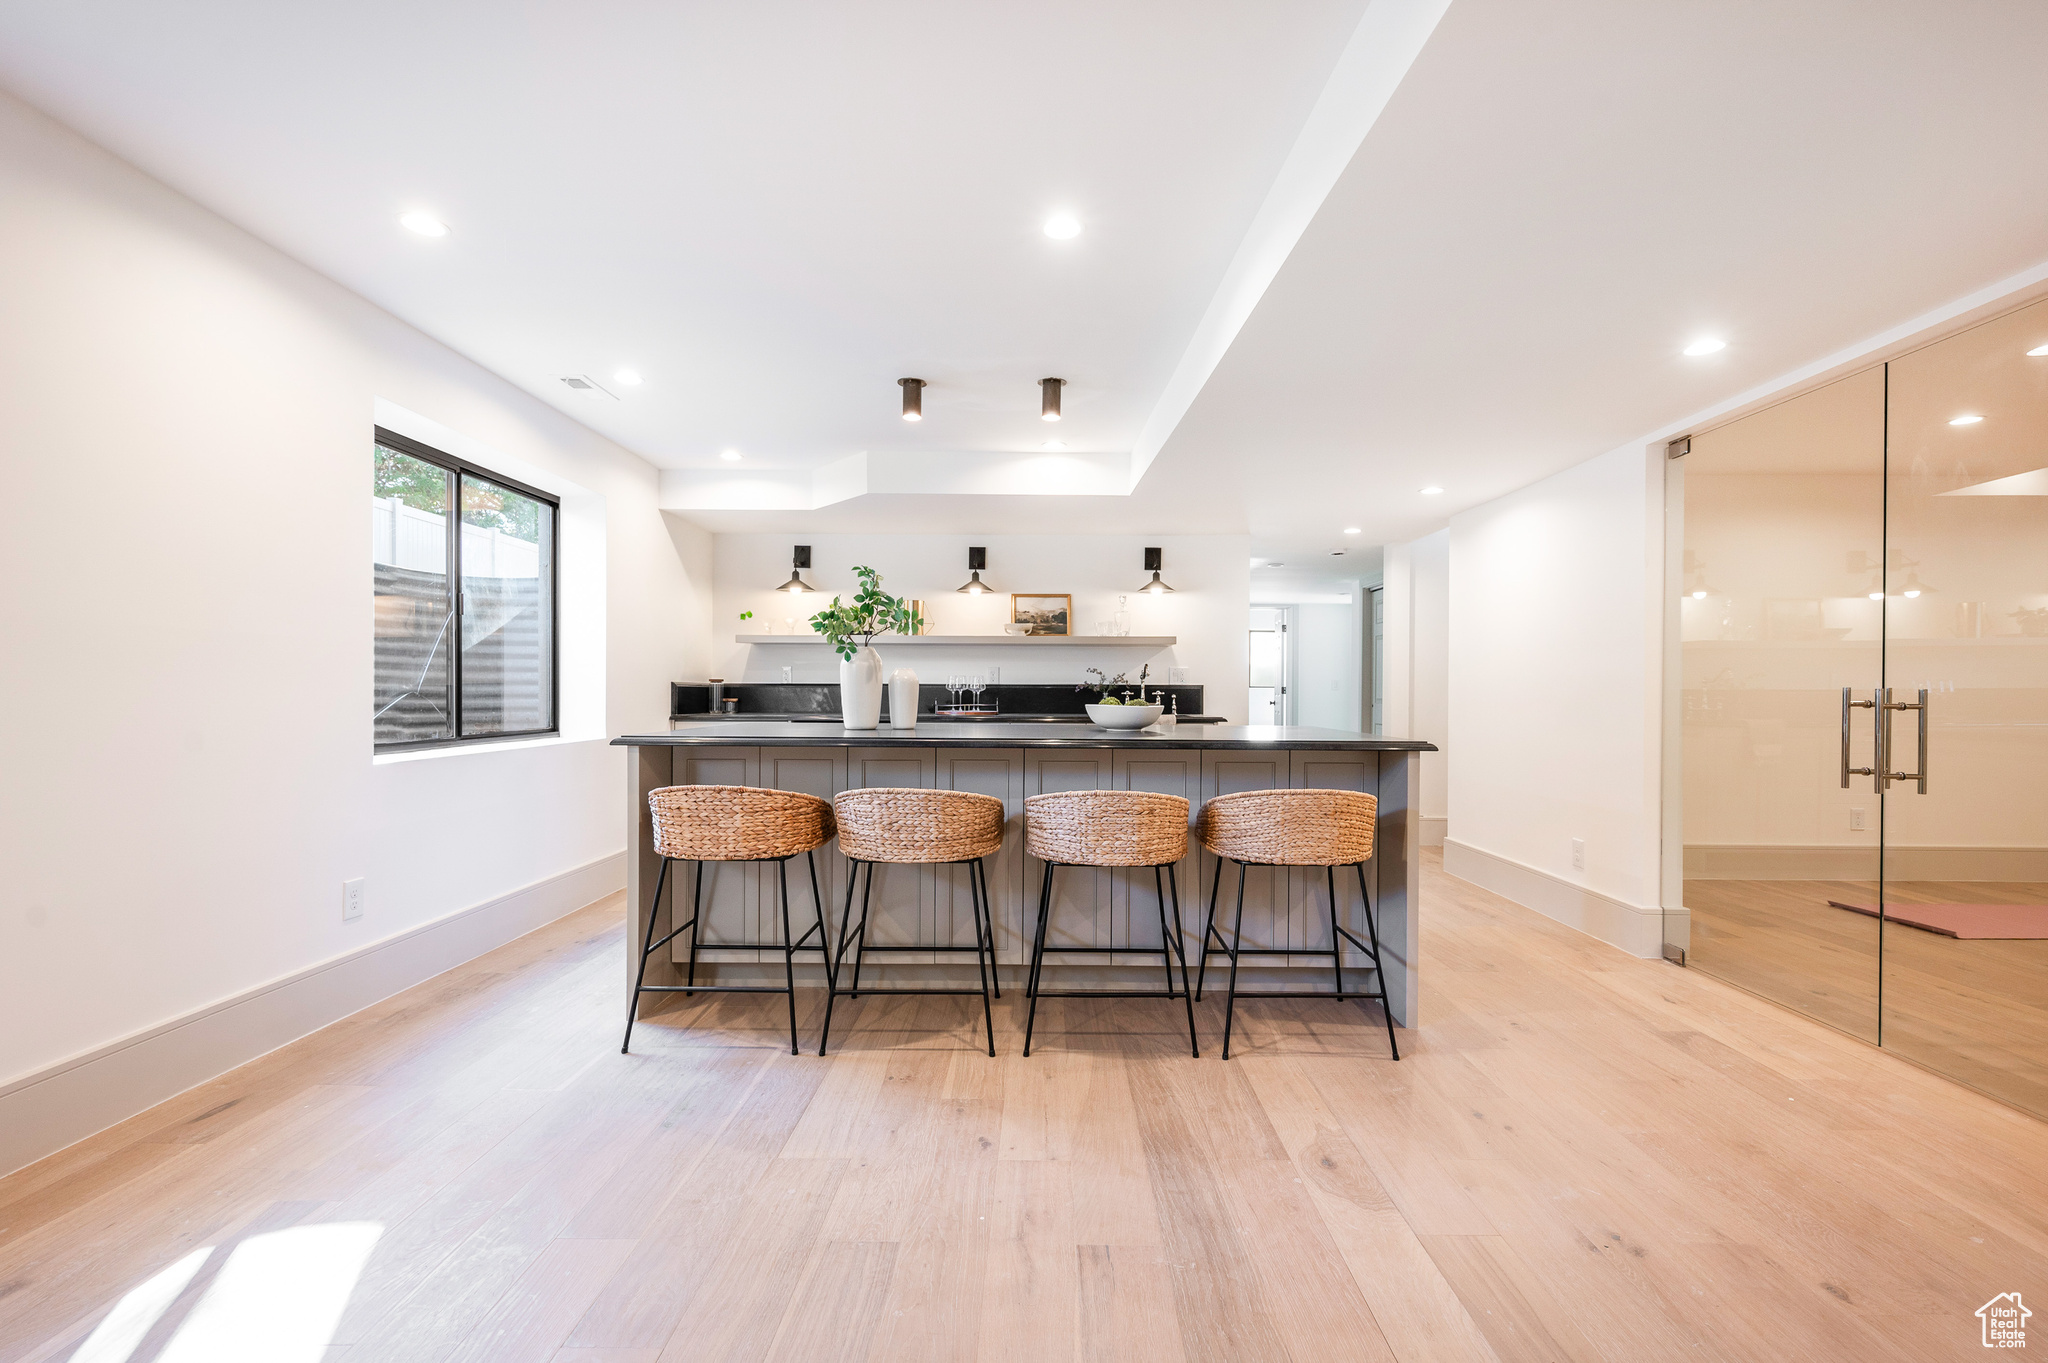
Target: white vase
x=903 y=699
x=860 y=690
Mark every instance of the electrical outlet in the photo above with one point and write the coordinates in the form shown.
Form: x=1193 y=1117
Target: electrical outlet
x=351 y=900
x=1856 y=823
x=1578 y=854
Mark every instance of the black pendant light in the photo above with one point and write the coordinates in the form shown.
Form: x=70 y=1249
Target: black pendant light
x=977 y=559
x=1155 y=587
x=800 y=560
x=1049 y=398
x=913 y=399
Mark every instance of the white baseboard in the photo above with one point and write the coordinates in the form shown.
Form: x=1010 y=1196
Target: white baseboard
x=1787 y=861
x=1637 y=930
x=48 y=1109
x=1433 y=828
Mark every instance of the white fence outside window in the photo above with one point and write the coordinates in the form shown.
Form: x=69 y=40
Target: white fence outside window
x=406 y=537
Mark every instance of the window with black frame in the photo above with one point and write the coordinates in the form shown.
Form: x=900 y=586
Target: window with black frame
x=465 y=600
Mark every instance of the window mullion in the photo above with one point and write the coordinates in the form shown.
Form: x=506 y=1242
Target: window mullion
x=455 y=602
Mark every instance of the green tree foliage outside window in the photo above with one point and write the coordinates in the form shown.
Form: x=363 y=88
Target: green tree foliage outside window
x=424 y=487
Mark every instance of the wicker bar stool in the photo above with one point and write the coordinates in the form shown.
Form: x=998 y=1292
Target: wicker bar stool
x=1326 y=828
x=1109 y=828
x=908 y=826
x=735 y=823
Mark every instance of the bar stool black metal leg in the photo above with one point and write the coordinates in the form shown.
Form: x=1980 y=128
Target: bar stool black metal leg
x=1038 y=929
x=646 y=950
x=1236 y=948
x=824 y=929
x=1038 y=955
x=1209 y=928
x=696 y=923
x=1336 y=940
x=839 y=959
x=1165 y=947
x=981 y=957
x=860 y=936
x=989 y=918
x=1379 y=966
x=1180 y=949
x=788 y=950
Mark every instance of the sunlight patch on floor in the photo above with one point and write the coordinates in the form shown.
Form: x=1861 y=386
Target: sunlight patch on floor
x=277 y=1299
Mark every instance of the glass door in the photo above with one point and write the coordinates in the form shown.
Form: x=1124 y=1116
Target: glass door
x=1266 y=654
x=1781 y=622
x=1966 y=607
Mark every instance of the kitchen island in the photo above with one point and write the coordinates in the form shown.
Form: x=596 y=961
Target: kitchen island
x=1107 y=907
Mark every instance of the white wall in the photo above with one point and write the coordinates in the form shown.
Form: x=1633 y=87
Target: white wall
x=1210 y=575
x=189 y=774
x=1554 y=701
x=1415 y=674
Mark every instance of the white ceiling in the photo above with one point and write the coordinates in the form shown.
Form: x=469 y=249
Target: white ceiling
x=1560 y=197
x=776 y=211
x=771 y=211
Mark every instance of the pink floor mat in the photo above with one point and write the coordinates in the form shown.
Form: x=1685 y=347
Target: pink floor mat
x=1964 y=920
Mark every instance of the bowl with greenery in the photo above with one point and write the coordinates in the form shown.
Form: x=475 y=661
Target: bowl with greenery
x=1121 y=703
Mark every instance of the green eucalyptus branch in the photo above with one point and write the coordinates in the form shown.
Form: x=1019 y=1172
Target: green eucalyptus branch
x=1104 y=684
x=872 y=613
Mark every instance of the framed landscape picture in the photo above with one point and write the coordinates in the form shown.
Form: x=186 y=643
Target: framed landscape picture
x=1041 y=613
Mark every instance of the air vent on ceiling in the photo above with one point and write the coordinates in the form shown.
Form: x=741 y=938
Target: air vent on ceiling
x=583 y=383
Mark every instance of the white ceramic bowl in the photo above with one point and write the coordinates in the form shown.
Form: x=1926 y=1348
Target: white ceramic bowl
x=1125 y=716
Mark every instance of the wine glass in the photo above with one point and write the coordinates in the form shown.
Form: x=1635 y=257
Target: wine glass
x=977 y=683
x=955 y=684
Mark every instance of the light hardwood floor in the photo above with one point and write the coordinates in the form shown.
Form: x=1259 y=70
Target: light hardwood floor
x=1975 y=1010
x=1582 y=1156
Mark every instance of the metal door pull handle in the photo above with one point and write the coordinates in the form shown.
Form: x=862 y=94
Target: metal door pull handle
x=1848 y=705
x=1884 y=760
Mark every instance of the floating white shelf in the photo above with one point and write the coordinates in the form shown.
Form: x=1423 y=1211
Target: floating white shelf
x=1151 y=641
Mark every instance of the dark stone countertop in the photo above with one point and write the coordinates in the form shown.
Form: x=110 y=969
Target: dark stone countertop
x=922 y=720
x=728 y=733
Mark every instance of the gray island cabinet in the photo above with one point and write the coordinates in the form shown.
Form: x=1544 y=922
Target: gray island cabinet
x=926 y=904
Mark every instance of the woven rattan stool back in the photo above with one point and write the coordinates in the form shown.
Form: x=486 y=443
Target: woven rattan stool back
x=1106 y=828
x=737 y=823
x=889 y=824
x=1290 y=827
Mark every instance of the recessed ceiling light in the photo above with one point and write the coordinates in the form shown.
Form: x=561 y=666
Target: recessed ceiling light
x=1877 y=596
x=1062 y=226
x=1706 y=345
x=1432 y=491
x=1353 y=530
x=629 y=377
x=2039 y=350
x=729 y=456
x=1699 y=596
x=426 y=224
x=1969 y=419
x=1053 y=445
